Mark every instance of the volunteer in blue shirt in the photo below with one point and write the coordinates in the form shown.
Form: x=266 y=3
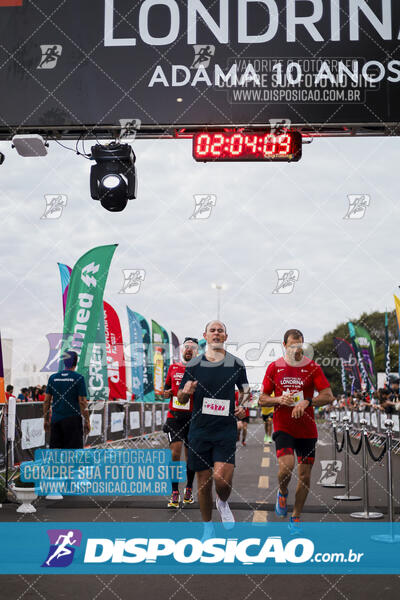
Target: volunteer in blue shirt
x=66 y=396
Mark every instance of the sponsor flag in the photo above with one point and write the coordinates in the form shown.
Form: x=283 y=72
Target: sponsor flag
x=84 y=317
x=2 y=391
x=351 y=378
x=148 y=385
x=115 y=354
x=97 y=383
x=364 y=348
x=137 y=355
x=65 y=275
x=176 y=356
x=387 y=351
x=55 y=339
x=397 y=306
x=158 y=355
x=166 y=354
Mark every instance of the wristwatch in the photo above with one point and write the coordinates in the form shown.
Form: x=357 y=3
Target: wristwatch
x=309 y=401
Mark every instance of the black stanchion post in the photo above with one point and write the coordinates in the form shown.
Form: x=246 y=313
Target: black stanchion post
x=390 y=538
x=333 y=485
x=365 y=513
x=347 y=495
x=389 y=439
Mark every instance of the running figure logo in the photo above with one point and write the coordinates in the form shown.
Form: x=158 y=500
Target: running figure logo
x=132 y=280
x=286 y=281
x=63 y=543
x=357 y=206
x=55 y=204
x=330 y=470
x=202 y=55
x=203 y=205
x=279 y=126
x=50 y=56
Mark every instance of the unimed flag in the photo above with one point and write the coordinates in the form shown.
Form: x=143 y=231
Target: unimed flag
x=83 y=312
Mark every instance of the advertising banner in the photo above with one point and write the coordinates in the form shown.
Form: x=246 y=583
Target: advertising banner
x=200 y=62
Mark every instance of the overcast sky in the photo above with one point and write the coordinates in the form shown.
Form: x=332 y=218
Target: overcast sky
x=267 y=217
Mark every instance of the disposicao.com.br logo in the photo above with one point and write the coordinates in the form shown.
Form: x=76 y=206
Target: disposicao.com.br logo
x=192 y=550
x=157 y=548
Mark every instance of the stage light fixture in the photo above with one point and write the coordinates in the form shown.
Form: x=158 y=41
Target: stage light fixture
x=30 y=145
x=113 y=178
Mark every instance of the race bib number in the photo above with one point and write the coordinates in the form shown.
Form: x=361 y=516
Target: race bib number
x=214 y=406
x=176 y=405
x=298 y=396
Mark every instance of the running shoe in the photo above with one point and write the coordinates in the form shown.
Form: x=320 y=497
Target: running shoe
x=244 y=443
x=266 y=439
x=188 y=496
x=227 y=517
x=174 y=500
x=269 y=440
x=281 y=504
x=294 y=526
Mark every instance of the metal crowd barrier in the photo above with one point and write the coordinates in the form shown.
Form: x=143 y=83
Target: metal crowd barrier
x=376 y=429
x=113 y=423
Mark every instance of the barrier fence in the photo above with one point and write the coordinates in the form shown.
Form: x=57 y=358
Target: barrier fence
x=370 y=428
x=111 y=422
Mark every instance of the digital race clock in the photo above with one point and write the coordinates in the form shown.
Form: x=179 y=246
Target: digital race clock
x=236 y=146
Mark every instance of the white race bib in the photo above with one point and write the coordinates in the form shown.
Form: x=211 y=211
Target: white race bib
x=176 y=405
x=216 y=407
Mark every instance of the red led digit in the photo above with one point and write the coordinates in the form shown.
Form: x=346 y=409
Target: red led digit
x=236 y=140
x=284 y=144
x=251 y=144
x=203 y=144
x=217 y=145
x=269 y=147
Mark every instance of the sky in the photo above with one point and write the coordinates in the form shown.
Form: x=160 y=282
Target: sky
x=266 y=217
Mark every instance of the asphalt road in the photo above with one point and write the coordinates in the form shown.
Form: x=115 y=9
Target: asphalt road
x=252 y=500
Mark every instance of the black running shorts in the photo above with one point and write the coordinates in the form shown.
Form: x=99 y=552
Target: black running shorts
x=205 y=450
x=287 y=444
x=177 y=429
x=268 y=416
x=67 y=433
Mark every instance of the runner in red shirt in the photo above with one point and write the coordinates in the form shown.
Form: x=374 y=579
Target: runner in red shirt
x=294 y=379
x=178 y=419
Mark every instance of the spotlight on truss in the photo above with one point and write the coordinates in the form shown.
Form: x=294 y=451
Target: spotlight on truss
x=113 y=179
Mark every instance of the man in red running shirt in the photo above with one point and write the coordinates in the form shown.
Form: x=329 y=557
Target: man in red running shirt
x=293 y=379
x=178 y=419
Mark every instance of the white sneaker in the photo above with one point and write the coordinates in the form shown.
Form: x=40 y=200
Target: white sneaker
x=227 y=517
